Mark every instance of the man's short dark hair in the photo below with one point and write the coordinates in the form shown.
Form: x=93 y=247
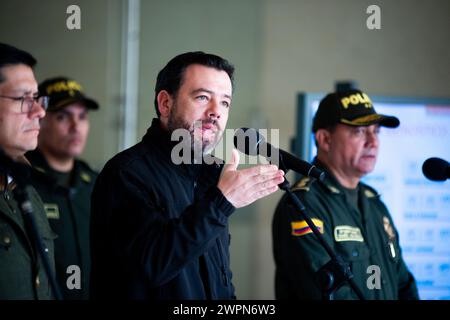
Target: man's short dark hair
x=10 y=55
x=171 y=76
x=331 y=129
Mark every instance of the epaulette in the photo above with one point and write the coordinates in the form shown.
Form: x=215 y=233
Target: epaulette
x=370 y=192
x=332 y=188
x=86 y=177
x=302 y=184
x=87 y=174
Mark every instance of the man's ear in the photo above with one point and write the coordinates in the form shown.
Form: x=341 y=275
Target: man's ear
x=323 y=138
x=165 y=103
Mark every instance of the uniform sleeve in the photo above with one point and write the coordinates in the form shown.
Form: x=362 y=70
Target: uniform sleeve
x=298 y=253
x=131 y=227
x=406 y=284
x=407 y=288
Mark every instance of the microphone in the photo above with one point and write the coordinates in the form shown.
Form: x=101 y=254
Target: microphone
x=436 y=169
x=250 y=142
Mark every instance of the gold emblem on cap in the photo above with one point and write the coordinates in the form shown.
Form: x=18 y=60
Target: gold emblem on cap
x=356 y=99
x=69 y=85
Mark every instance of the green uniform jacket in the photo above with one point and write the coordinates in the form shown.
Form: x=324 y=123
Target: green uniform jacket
x=68 y=211
x=22 y=274
x=363 y=238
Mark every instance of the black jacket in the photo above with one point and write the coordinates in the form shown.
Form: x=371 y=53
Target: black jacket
x=159 y=230
x=68 y=212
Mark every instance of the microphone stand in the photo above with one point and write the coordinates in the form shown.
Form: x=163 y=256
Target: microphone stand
x=336 y=272
x=21 y=194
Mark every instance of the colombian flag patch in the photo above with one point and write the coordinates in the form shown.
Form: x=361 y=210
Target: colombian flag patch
x=300 y=228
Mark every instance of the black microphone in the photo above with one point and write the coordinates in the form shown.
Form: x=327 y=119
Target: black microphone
x=436 y=169
x=249 y=141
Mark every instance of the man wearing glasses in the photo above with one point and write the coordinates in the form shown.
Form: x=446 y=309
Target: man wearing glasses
x=22 y=274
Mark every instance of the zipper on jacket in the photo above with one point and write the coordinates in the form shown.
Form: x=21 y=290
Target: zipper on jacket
x=222 y=262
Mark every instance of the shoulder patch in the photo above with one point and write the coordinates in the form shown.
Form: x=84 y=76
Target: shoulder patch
x=302 y=184
x=347 y=233
x=51 y=210
x=300 y=228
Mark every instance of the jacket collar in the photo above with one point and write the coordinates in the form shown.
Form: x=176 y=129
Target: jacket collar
x=5 y=184
x=158 y=137
x=6 y=181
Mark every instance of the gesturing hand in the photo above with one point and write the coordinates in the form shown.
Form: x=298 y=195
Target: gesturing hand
x=242 y=187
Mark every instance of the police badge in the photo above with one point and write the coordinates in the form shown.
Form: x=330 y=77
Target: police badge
x=390 y=232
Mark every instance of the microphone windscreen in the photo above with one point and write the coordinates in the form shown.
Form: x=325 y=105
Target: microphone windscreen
x=247 y=141
x=435 y=169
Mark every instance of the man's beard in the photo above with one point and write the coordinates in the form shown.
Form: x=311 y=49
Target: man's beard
x=197 y=140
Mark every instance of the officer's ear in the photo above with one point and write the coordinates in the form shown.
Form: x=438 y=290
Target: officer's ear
x=165 y=103
x=323 y=139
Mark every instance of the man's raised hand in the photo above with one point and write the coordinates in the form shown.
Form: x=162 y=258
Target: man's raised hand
x=242 y=187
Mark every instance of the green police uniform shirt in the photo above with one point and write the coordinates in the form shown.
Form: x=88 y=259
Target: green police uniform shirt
x=363 y=235
x=22 y=274
x=67 y=201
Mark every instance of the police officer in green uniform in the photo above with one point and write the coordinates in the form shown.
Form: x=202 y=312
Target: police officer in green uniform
x=22 y=273
x=349 y=214
x=65 y=182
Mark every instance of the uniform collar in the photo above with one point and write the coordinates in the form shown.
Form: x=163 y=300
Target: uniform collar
x=42 y=169
x=334 y=187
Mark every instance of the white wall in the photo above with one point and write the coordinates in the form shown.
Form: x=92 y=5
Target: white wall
x=90 y=55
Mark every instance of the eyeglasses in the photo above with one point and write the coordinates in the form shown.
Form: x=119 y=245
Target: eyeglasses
x=26 y=103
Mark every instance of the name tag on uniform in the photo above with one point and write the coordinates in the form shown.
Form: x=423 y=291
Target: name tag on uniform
x=51 y=210
x=347 y=233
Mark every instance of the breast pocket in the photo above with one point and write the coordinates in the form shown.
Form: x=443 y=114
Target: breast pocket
x=47 y=236
x=44 y=230
x=357 y=255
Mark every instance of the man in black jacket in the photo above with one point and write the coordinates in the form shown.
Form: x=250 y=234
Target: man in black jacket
x=159 y=228
x=64 y=182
